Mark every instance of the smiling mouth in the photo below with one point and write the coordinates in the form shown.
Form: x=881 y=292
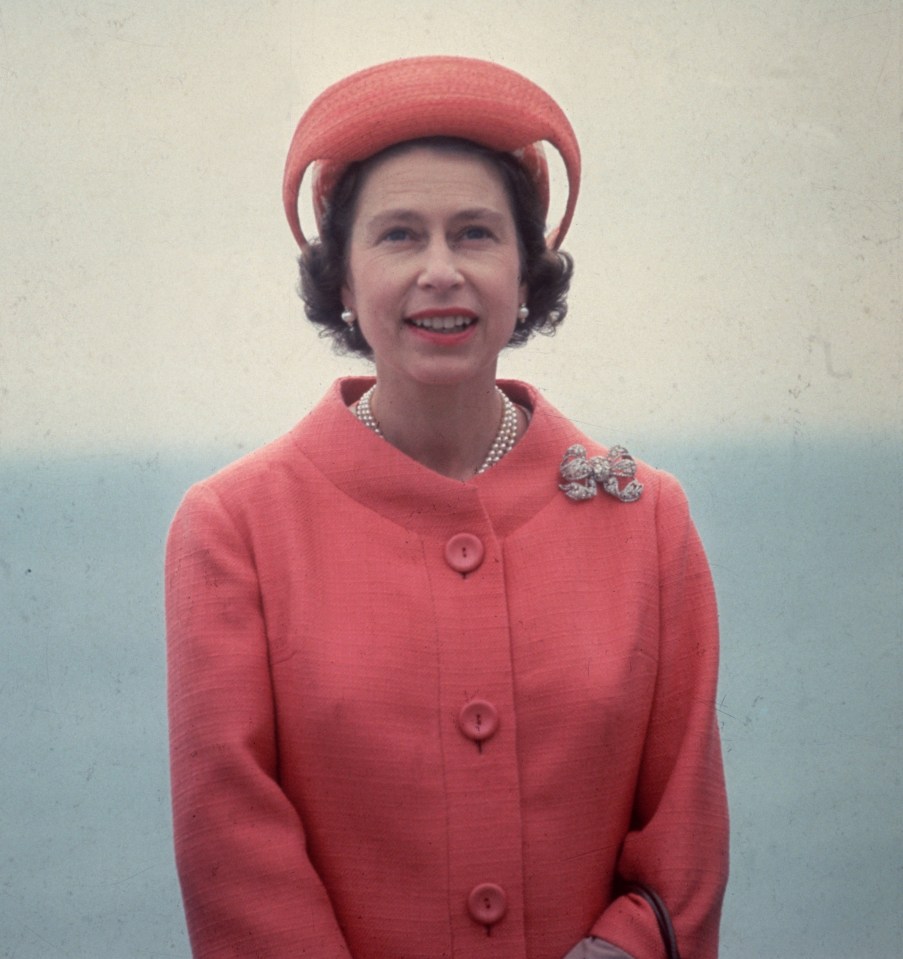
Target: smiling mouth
x=443 y=324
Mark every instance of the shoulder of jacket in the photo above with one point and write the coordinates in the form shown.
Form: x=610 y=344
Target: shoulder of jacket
x=251 y=477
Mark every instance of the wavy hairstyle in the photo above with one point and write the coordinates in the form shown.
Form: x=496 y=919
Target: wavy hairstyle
x=546 y=273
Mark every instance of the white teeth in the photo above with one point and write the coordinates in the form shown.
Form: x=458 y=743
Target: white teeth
x=442 y=322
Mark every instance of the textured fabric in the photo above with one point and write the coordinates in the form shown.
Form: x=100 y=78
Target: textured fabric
x=321 y=648
x=419 y=97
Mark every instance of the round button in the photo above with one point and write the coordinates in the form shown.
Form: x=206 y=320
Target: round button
x=478 y=720
x=464 y=552
x=487 y=903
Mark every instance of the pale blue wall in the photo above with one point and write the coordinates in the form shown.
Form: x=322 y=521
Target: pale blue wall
x=804 y=541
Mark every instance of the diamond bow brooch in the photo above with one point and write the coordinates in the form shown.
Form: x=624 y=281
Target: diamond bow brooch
x=583 y=476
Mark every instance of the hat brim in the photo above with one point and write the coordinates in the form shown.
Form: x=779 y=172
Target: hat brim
x=429 y=96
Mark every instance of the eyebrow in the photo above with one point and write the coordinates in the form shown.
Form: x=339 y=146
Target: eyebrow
x=479 y=213
x=405 y=215
x=392 y=216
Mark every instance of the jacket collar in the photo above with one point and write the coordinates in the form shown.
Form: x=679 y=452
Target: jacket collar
x=375 y=474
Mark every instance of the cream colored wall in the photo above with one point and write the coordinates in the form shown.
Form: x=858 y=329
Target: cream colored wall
x=737 y=239
x=735 y=318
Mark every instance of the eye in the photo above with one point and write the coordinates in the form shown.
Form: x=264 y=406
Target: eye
x=476 y=232
x=397 y=234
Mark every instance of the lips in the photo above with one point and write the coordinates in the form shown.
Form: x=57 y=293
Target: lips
x=441 y=324
x=445 y=320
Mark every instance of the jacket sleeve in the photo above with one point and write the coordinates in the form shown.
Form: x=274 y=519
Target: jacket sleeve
x=678 y=840
x=248 y=886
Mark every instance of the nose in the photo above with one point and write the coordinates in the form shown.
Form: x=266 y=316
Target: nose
x=439 y=270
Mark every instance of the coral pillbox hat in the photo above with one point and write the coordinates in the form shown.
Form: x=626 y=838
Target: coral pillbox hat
x=421 y=97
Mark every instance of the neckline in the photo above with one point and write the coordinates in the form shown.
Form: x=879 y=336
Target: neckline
x=508 y=433
x=371 y=471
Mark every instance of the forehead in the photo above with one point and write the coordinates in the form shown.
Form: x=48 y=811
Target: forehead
x=428 y=179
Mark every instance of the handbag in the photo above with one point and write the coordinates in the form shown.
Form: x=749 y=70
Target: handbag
x=660 y=910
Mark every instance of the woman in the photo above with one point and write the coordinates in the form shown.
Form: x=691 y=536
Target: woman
x=430 y=695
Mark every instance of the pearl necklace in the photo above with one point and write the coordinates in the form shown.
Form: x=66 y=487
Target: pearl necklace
x=501 y=445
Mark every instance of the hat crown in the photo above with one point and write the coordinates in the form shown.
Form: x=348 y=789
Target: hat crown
x=419 y=97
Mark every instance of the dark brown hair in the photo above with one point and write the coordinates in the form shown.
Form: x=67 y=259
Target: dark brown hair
x=546 y=273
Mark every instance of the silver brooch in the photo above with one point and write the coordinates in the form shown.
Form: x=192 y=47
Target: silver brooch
x=583 y=476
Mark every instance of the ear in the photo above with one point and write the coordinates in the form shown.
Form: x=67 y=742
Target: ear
x=523 y=293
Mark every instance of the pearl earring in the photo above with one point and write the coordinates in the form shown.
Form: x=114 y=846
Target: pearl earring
x=523 y=313
x=348 y=317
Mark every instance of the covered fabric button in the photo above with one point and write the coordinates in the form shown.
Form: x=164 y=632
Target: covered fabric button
x=487 y=903
x=464 y=552
x=478 y=720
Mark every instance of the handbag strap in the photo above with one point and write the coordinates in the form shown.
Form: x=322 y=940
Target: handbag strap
x=660 y=911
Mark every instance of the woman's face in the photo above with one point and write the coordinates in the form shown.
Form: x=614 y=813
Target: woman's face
x=433 y=268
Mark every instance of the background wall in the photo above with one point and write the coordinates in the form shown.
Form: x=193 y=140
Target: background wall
x=735 y=319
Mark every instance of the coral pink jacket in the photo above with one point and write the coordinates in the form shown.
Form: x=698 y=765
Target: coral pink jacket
x=415 y=718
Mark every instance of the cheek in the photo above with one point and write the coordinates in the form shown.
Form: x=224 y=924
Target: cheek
x=368 y=281
x=358 y=289
x=347 y=288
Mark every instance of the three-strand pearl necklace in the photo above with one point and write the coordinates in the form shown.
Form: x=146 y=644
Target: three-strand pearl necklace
x=501 y=445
